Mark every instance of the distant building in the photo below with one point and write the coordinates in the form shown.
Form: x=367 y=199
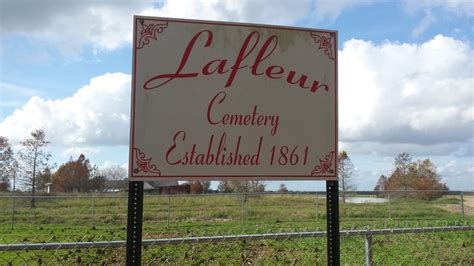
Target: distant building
x=115 y=185
x=175 y=189
x=158 y=187
x=47 y=188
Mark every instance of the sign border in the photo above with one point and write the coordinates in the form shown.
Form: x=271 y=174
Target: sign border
x=133 y=177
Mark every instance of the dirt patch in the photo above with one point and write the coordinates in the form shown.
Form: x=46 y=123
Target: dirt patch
x=456 y=208
x=469 y=201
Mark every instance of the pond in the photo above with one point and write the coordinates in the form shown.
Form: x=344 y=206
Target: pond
x=366 y=200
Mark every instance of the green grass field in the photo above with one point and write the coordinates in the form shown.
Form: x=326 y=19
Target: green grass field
x=104 y=218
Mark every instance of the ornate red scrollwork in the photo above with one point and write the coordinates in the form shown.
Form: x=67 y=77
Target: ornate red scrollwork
x=150 y=31
x=325 y=166
x=144 y=164
x=325 y=43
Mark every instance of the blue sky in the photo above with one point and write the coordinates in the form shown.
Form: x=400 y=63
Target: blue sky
x=406 y=76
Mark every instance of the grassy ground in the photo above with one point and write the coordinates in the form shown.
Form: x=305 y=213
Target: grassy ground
x=99 y=219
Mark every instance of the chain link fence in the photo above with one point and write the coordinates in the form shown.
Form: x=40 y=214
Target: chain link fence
x=264 y=228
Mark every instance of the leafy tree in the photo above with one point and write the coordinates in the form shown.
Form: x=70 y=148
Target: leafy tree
x=97 y=183
x=283 y=188
x=206 y=185
x=8 y=164
x=426 y=180
x=345 y=169
x=419 y=176
x=403 y=163
x=33 y=159
x=394 y=181
x=44 y=178
x=196 y=187
x=73 y=176
x=381 y=184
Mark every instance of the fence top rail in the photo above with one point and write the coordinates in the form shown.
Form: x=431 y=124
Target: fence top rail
x=222 y=238
x=63 y=197
x=105 y=195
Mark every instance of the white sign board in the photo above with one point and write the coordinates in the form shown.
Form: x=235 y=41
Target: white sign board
x=217 y=100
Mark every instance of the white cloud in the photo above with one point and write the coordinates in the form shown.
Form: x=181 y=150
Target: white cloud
x=418 y=95
x=458 y=7
x=330 y=10
x=107 y=25
x=14 y=96
x=111 y=164
x=435 y=9
x=75 y=152
x=97 y=114
x=289 y=11
x=458 y=174
x=386 y=149
x=70 y=24
x=393 y=97
x=425 y=23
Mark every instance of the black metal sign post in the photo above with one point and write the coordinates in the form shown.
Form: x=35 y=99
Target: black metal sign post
x=134 y=222
x=332 y=214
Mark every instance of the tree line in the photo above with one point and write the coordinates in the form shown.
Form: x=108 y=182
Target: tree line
x=31 y=168
x=414 y=179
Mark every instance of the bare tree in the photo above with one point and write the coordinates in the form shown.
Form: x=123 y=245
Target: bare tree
x=224 y=186
x=345 y=174
x=243 y=186
x=33 y=159
x=114 y=172
x=403 y=163
x=206 y=185
x=8 y=165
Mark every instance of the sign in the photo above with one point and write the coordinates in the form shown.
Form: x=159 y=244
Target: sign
x=217 y=100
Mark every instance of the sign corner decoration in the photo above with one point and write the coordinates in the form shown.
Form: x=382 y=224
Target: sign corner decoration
x=217 y=100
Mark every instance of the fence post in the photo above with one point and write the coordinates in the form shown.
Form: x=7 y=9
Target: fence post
x=368 y=250
x=389 y=207
x=169 y=210
x=93 y=212
x=13 y=210
x=134 y=223
x=462 y=205
x=242 y=208
x=332 y=223
x=317 y=206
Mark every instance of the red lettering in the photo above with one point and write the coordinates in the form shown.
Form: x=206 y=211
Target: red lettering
x=262 y=55
x=272 y=74
x=170 y=150
x=301 y=81
x=150 y=84
x=252 y=118
x=316 y=86
x=219 y=68
x=242 y=55
x=209 y=107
